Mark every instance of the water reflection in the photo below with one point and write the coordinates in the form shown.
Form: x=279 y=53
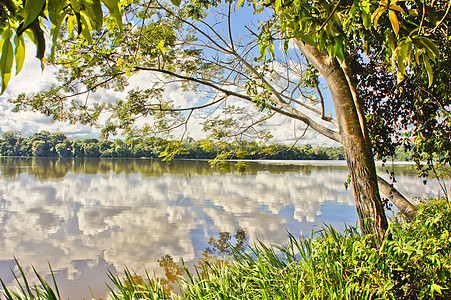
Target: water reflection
x=86 y=215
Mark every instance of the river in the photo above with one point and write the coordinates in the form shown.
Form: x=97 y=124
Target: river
x=87 y=216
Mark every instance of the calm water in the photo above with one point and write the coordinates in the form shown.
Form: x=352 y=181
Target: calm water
x=87 y=216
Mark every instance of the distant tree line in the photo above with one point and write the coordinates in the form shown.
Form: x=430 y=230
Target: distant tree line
x=48 y=144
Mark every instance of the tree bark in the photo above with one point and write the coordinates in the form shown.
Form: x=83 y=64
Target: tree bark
x=359 y=156
x=405 y=207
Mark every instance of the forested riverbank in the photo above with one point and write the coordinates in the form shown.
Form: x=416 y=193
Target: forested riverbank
x=47 y=144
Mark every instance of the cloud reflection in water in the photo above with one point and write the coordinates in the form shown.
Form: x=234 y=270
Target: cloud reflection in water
x=84 y=222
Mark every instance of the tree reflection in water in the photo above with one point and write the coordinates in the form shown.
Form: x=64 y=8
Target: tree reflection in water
x=219 y=252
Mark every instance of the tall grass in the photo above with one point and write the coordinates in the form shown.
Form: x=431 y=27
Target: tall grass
x=414 y=262
x=41 y=291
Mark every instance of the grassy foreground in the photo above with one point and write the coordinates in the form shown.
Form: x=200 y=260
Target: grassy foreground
x=414 y=262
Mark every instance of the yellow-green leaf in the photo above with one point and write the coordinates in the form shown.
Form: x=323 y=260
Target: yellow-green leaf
x=19 y=52
x=428 y=66
x=177 y=2
x=93 y=9
x=6 y=58
x=54 y=32
x=32 y=10
x=430 y=47
x=115 y=11
x=85 y=30
x=71 y=25
x=376 y=15
x=76 y=5
x=394 y=21
x=54 y=9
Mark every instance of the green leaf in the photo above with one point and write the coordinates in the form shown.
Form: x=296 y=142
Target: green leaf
x=366 y=18
x=54 y=32
x=338 y=49
x=32 y=10
x=430 y=47
x=19 y=52
x=271 y=50
x=76 y=5
x=71 y=25
x=177 y=2
x=7 y=57
x=85 y=30
x=436 y=288
x=308 y=39
x=93 y=9
x=394 y=21
x=39 y=40
x=54 y=7
x=429 y=70
x=115 y=11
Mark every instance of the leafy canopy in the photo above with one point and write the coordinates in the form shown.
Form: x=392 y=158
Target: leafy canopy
x=32 y=18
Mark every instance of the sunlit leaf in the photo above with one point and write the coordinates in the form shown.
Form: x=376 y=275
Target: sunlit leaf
x=93 y=9
x=54 y=8
x=19 y=52
x=6 y=58
x=394 y=21
x=366 y=18
x=397 y=8
x=55 y=33
x=115 y=11
x=429 y=70
x=76 y=5
x=71 y=24
x=377 y=14
x=32 y=10
x=85 y=30
x=430 y=47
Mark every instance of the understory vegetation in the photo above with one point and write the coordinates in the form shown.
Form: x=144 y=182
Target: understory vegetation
x=414 y=262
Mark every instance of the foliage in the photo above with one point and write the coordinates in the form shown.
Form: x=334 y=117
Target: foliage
x=414 y=262
x=29 y=17
x=46 y=144
x=414 y=113
x=133 y=287
x=339 y=25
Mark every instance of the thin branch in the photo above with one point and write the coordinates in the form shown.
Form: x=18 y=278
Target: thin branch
x=321 y=100
x=302 y=135
x=187 y=108
x=230 y=27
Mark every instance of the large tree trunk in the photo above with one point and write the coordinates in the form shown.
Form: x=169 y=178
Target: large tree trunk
x=359 y=156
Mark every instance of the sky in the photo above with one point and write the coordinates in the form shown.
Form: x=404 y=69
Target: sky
x=33 y=79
